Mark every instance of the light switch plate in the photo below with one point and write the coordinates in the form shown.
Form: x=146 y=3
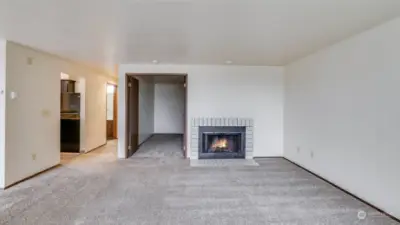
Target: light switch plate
x=13 y=95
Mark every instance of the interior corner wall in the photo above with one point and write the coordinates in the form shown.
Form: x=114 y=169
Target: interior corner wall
x=146 y=109
x=33 y=117
x=3 y=44
x=96 y=109
x=342 y=115
x=169 y=108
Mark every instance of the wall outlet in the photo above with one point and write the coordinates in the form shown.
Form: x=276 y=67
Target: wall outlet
x=29 y=60
x=312 y=154
x=298 y=149
x=33 y=156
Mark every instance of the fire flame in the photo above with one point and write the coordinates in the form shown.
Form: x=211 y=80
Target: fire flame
x=219 y=143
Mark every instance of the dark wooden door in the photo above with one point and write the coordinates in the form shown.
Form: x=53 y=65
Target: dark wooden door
x=110 y=131
x=132 y=112
x=115 y=114
x=184 y=120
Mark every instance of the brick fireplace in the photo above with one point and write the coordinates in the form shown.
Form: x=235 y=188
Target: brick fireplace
x=221 y=138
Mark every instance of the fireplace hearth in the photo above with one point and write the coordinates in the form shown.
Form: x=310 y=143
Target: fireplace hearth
x=222 y=142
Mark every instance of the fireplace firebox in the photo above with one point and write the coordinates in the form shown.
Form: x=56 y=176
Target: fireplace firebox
x=222 y=142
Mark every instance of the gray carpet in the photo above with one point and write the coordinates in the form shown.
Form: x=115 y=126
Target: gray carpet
x=222 y=162
x=162 y=146
x=157 y=188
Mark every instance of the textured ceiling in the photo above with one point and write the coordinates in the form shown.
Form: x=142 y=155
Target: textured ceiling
x=247 y=32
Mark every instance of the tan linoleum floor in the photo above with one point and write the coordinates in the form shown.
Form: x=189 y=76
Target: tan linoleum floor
x=157 y=186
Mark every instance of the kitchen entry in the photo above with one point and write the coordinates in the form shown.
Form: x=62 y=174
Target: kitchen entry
x=70 y=108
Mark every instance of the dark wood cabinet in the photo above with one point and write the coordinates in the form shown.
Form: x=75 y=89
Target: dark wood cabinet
x=67 y=86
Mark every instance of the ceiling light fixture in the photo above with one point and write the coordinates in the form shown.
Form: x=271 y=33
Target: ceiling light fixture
x=155 y=61
x=228 y=62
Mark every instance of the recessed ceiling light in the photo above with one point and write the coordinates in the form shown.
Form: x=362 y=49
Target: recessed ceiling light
x=228 y=62
x=155 y=61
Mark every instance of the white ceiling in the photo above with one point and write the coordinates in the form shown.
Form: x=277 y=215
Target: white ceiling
x=248 y=32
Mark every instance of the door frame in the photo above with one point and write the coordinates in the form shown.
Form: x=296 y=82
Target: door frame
x=115 y=110
x=115 y=113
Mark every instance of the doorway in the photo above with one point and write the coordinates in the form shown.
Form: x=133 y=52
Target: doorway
x=112 y=107
x=162 y=112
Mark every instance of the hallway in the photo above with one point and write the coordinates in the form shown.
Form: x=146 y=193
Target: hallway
x=153 y=187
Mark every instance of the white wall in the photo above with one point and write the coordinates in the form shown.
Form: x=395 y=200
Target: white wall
x=80 y=87
x=146 y=109
x=2 y=109
x=110 y=106
x=169 y=108
x=342 y=104
x=96 y=110
x=33 y=118
x=224 y=91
